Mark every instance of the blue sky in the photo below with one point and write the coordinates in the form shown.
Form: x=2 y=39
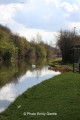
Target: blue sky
x=46 y=17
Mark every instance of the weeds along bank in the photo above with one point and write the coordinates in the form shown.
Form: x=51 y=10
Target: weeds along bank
x=59 y=65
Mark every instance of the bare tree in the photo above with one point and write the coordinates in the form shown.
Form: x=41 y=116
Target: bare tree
x=38 y=38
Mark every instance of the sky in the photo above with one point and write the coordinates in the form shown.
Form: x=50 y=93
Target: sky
x=46 y=17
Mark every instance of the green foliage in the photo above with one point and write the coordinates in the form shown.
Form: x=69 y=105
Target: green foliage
x=7 y=49
x=52 y=64
x=3 y=36
x=31 y=52
x=13 y=46
x=55 y=62
x=7 y=71
x=57 y=59
x=21 y=43
x=40 y=51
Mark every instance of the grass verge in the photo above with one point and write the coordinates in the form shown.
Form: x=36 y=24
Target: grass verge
x=60 y=94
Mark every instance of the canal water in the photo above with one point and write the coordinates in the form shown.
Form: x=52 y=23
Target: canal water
x=15 y=78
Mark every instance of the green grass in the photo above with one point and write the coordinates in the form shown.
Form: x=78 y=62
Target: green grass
x=58 y=59
x=60 y=94
x=55 y=62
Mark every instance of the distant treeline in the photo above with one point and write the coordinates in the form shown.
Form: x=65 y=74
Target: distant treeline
x=12 y=46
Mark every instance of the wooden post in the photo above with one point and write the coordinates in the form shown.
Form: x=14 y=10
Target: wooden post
x=79 y=67
x=73 y=67
x=73 y=59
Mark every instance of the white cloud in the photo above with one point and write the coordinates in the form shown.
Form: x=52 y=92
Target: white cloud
x=7 y=17
x=46 y=18
x=78 y=2
x=69 y=7
x=31 y=33
x=8 y=12
x=56 y=2
x=66 y=15
x=7 y=93
x=38 y=16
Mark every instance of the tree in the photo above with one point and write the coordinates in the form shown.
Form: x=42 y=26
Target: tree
x=21 y=43
x=5 y=29
x=40 y=51
x=37 y=38
x=31 y=52
x=49 y=49
x=66 y=39
x=7 y=48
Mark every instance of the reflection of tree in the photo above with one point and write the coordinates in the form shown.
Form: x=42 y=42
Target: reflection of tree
x=37 y=73
x=10 y=72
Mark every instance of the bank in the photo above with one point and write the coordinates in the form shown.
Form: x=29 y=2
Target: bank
x=59 y=96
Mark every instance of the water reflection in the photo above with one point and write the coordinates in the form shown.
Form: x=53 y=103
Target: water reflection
x=17 y=78
x=10 y=72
